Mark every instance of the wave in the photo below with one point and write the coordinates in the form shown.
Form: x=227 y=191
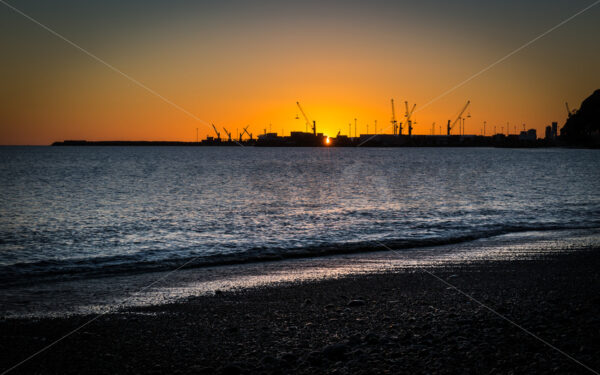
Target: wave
x=73 y=269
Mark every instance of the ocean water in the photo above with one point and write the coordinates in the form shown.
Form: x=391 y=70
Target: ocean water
x=81 y=212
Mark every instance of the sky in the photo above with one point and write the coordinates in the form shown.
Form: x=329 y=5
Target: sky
x=242 y=62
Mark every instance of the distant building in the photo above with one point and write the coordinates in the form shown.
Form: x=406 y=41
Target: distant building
x=529 y=135
x=268 y=136
x=548 y=133
x=554 y=130
x=532 y=133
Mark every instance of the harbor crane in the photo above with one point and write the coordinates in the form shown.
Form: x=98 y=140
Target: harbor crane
x=408 y=115
x=569 y=111
x=393 y=121
x=243 y=131
x=216 y=131
x=308 y=122
x=228 y=134
x=246 y=131
x=452 y=123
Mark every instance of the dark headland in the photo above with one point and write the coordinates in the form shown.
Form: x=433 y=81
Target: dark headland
x=398 y=323
x=582 y=129
x=583 y=125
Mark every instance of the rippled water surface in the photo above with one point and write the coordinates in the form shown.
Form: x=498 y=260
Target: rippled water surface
x=86 y=211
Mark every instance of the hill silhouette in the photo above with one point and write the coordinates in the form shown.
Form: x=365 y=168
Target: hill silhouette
x=583 y=127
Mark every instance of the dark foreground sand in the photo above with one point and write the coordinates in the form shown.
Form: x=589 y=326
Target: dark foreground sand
x=392 y=323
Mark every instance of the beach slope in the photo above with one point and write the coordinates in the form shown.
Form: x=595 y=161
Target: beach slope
x=400 y=322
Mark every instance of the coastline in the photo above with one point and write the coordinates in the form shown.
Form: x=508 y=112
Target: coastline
x=397 y=321
x=93 y=295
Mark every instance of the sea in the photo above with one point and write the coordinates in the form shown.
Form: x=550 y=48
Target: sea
x=70 y=216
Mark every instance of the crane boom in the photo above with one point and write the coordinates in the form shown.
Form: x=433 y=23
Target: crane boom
x=246 y=131
x=569 y=111
x=216 y=131
x=409 y=114
x=451 y=125
x=228 y=134
x=303 y=114
x=394 y=122
x=242 y=132
x=308 y=122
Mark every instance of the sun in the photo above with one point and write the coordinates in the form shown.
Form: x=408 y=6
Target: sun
x=327 y=141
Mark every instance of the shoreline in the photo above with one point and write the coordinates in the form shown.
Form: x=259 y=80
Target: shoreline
x=394 y=321
x=98 y=294
x=23 y=276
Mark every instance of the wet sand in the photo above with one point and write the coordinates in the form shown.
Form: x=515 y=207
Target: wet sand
x=394 y=322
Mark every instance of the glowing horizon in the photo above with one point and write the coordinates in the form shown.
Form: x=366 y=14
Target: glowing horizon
x=237 y=64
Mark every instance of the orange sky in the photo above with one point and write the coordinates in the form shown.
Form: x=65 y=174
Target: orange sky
x=249 y=66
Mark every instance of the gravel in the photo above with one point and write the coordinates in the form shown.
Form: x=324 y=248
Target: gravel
x=403 y=322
